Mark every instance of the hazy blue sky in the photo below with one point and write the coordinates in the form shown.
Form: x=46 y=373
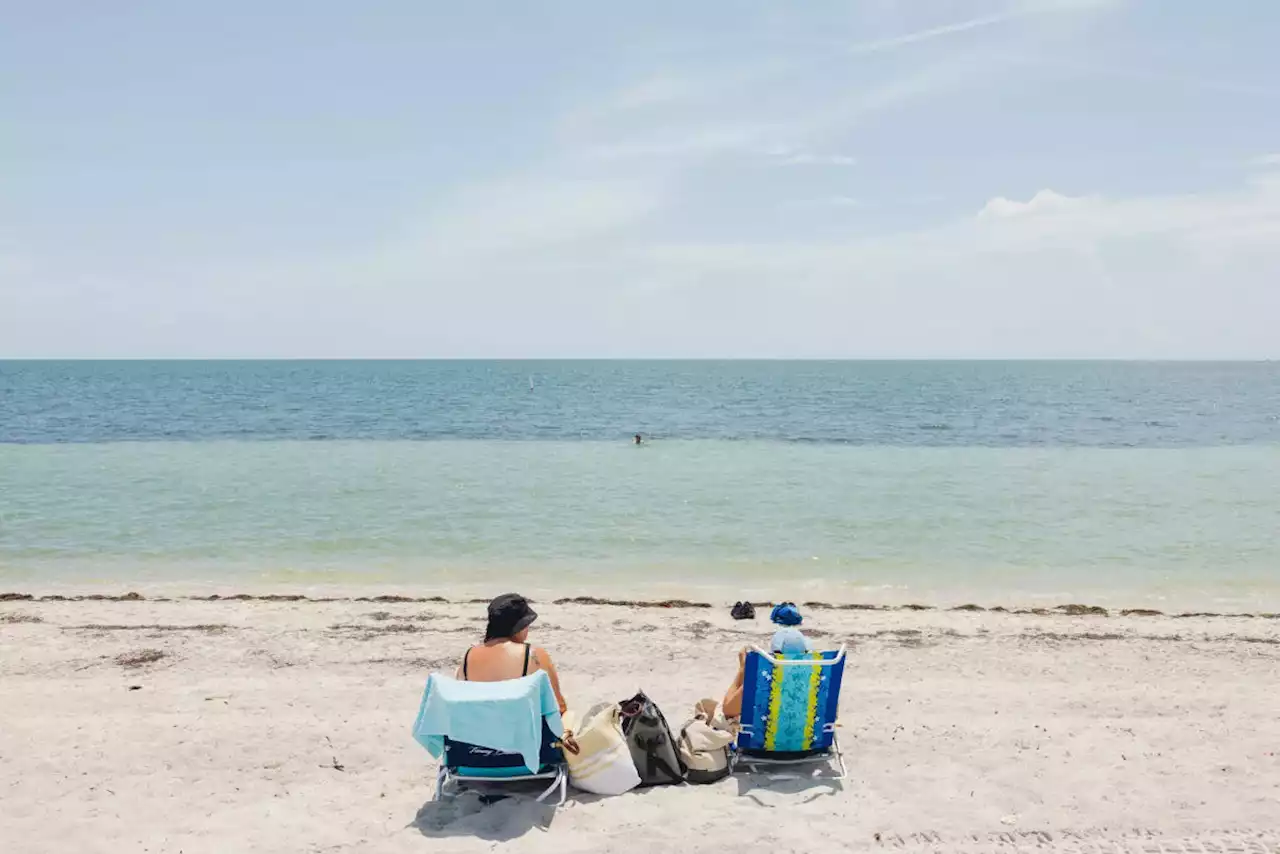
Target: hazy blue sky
x=884 y=178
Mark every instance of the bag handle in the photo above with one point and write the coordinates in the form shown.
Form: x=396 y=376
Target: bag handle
x=568 y=743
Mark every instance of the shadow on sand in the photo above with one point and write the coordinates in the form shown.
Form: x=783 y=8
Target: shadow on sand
x=781 y=788
x=497 y=818
x=506 y=813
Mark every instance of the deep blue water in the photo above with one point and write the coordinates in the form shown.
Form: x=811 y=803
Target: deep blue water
x=955 y=404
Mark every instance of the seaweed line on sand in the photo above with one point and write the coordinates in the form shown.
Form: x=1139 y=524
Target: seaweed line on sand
x=1071 y=610
x=140 y=657
x=20 y=618
x=206 y=628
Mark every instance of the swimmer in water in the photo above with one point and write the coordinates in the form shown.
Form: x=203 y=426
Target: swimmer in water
x=639 y=440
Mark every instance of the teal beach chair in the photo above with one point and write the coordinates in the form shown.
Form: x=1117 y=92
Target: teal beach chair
x=476 y=757
x=465 y=763
x=789 y=706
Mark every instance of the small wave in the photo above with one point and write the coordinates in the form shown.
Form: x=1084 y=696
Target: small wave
x=814 y=440
x=939 y=425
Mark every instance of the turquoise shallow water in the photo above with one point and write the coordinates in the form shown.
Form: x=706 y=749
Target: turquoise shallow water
x=1000 y=525
x=894 y=481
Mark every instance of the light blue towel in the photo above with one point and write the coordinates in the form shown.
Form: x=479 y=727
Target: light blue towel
x=505 y=716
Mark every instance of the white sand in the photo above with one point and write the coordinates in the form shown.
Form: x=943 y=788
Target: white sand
x=964 y=731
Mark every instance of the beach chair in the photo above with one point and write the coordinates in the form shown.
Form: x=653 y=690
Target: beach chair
x=463 y=763
x=789 y=704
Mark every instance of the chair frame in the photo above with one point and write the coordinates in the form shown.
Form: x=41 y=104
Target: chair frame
x=558 y=775
x=834 y=751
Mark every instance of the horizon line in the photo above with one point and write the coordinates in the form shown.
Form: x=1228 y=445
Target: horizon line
x=514 y=359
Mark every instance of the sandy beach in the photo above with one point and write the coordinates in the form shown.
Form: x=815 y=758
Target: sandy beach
x=266 y=725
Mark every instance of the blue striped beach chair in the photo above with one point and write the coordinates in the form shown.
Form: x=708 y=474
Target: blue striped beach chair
x=789 y=704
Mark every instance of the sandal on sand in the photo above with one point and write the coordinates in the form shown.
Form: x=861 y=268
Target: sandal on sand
x=743 y=611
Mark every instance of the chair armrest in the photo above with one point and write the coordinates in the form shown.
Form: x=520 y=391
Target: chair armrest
x=804 y=662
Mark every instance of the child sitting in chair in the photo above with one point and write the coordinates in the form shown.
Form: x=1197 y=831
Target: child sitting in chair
x=787 y=639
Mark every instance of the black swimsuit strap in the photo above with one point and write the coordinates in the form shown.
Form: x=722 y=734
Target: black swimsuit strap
x=465 y=656
x=526 y=660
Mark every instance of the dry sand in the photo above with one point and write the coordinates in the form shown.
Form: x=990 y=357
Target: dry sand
x=237 y=726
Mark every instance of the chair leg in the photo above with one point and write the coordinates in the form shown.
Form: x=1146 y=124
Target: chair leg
x=557 y=783
x=442 y=777
x=844 y=772
x=738 y=760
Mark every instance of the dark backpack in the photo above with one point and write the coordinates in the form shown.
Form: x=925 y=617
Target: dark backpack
x=649 y=738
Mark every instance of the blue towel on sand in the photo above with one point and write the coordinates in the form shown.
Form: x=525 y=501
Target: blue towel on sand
x=504 y=716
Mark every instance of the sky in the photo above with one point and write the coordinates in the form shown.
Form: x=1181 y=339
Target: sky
x=422 y=179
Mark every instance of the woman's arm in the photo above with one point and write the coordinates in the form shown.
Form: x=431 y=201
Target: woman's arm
x=732 y=705
x=544 y=661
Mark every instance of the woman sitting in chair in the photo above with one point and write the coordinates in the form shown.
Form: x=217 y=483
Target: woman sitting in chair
x=506 y=653
x=786 y=639
x=490 y=739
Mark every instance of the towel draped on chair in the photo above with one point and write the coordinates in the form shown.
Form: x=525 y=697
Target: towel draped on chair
x=507 y=716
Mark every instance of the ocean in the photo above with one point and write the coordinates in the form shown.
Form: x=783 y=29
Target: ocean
x=1014 y=483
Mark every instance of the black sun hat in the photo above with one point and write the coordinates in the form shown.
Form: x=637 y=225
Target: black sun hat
x=508 y=614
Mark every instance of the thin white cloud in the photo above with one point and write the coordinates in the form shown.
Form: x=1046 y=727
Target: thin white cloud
x=671 y=89
x=1147 y=75
x=810 y=158
x=685 y=141
x=830 y=202
x=931 y=33
x=493 y=235
x=1023 y=9
x=771 y=103
x=785 y=134
x=1265 y=161
x=1045 y=200
x=655 y=91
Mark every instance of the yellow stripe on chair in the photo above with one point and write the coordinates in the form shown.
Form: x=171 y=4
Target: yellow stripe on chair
x=775 y=708
x=811 y=712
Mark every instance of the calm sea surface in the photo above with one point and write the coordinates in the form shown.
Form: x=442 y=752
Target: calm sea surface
x=1002 y=482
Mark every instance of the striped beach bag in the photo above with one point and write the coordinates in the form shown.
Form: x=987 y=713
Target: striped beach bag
x=603 y=764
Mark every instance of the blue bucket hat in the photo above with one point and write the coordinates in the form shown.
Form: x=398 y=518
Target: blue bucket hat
x=789 y=640
x=786 y=614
